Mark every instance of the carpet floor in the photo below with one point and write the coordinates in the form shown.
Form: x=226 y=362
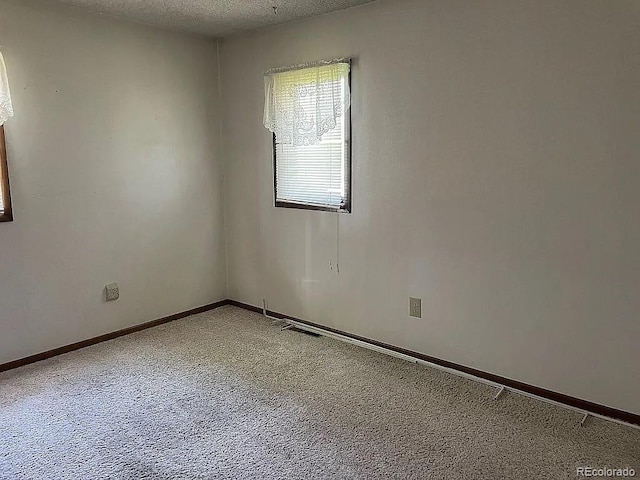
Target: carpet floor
x=224 y=394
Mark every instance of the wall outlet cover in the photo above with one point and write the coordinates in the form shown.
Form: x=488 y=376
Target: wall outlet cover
x=112 y=292
x=415 y=307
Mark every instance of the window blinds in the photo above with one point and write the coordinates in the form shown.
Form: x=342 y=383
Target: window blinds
x=314 y=174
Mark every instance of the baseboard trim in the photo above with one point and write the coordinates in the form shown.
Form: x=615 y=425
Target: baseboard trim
x=108 y=336
x=572 y=402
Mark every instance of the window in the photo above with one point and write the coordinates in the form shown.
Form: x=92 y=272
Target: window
x=312 y=137
x=5 y=199
x=6 y=112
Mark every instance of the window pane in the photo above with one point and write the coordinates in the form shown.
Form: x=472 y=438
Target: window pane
x=1 y=178
x=315 y=174
x=5 y=201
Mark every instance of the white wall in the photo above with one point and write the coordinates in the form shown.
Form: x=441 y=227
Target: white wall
x=496 y=176
x=114 y=172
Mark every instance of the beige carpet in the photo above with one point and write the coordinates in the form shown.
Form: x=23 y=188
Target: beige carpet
x=225 y=394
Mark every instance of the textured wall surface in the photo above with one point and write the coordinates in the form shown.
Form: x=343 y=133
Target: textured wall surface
x=115 y=176
x=496 y=176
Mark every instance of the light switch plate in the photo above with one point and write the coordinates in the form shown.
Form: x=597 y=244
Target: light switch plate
x=415 y=307
x=112 y=292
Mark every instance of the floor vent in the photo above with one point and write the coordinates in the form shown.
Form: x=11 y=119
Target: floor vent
x=299 y=330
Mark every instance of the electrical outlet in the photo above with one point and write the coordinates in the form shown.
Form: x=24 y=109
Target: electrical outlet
x=415 y=307
x=112 y=292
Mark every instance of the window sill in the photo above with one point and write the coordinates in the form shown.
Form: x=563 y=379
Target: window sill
x=6 y=217
x=308 y=206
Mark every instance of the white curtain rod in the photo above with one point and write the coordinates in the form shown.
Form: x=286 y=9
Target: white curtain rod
x=308 y=65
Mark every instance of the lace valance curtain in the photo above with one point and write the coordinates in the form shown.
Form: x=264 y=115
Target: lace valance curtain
x=302 y=104
x=6 y=109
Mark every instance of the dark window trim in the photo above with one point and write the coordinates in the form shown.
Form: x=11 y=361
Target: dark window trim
x=311 y=206
x=346 y=208
x=7 y=215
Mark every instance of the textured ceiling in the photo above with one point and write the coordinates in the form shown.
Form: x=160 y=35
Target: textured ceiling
x=213 y=17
